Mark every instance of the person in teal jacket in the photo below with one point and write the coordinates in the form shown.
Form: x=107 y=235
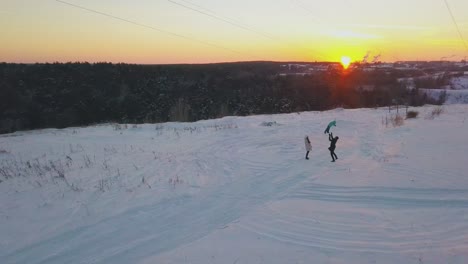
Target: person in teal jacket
x=332 y=123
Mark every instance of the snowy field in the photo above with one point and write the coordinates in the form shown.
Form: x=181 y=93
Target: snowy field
x=238 y=190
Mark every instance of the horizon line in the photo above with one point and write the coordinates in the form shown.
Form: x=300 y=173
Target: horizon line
x=223 y=62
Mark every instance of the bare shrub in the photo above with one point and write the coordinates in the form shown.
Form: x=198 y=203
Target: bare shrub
x=270 y=123
x=396 y=120
x=412 y=114
x=12 y=168
x=110 y=150
x=231 y=126
x=57 y=167
x=144 y=182
x=87 y=161
x=109 y=182
x=53 y=169
x=436 y=111
x=117 y=126
x=159 y=129
x=76 y=149
x=105 y=166
x=106 y=184
x=102 y=184
x=69 y=161
x=6 y=172
x=175 y=181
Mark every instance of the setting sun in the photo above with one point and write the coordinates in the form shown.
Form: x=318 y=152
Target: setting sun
x=345 y=61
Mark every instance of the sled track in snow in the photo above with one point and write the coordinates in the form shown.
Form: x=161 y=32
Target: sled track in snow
x=380 y=219
x=383 y=196
x=157 y=228
x=259 y=181
x=366 y=227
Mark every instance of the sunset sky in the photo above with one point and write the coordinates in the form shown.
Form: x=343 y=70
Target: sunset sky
x=201 y=31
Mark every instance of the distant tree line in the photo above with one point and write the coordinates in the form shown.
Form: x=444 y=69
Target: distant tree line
x=74 y=94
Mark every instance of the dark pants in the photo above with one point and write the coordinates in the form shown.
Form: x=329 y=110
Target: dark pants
x=307 y=155
x=332 y=153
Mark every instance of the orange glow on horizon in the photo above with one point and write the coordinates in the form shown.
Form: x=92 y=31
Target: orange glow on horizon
x=161 y=32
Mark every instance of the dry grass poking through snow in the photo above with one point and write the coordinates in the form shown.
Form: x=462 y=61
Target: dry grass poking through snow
x=436 y=111
x=395 y=120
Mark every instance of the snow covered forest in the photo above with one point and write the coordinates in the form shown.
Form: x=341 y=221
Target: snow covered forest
x=60 y=95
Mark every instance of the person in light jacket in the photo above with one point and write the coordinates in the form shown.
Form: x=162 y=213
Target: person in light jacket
x=308 y=146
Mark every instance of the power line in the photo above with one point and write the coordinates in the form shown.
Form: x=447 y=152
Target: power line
x=303 y=6
x=212 y=14
x=152 y=27
x=221 y=19
x=456 y=25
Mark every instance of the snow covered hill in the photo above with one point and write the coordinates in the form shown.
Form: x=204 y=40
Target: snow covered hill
x=238 y=190
x=455 y=93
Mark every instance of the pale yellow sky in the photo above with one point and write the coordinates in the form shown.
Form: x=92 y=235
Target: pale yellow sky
x=199 y=31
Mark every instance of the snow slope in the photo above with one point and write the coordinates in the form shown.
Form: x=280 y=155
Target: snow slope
x=452 y=96
x=459 y=83
x=238 y=190
x=456 y=92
